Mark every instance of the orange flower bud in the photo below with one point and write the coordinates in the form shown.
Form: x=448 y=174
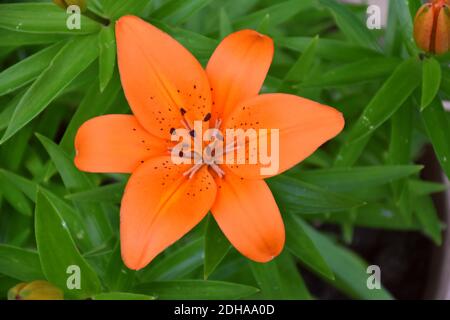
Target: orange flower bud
x=432 y=27
x=66 y=3
x=36 y=290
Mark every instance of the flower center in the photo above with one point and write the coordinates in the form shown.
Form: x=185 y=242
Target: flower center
x=211 y=155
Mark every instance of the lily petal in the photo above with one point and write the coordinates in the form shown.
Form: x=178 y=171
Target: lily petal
x=161 y=79
x=442 y=41
x=159 y=206
x=237 y=69
x=114 y=143
x=423 y=27
x=246 y=212
x=303 y=125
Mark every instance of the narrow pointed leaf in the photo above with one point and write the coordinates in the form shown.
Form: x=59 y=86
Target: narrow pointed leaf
x=27 y=70
x=355 y=73
x=20 y=264
x=57 y=251
x=355 y=178
x=176 y=12
x=394 y=92
x=174 y=264
x=350 y=270
x=196 y=290
x=296 y=196
x=93 y=214
x=111 y=193
x=355 y=30
x=71 y=60
x=107 y=55
x=216 y=246
x=280 y=279
x=438 y=128
x=115 y=9
x=121 y=296
x=330 y=49
x=425 y=212
x=41 y=18
x=299 y=243
x=431 y=81
x=279 y=13
x=299 y=70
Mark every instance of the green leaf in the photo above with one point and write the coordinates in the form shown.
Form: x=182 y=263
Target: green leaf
x=73 y=178
x=295 y=196
x=278 y=13
x=413 y=6
x=175 y=12
x=41 y=18
x=350 y=270
x=174 y=264
x=115 y=9
x=216 y=246
x=118 y=276
x=57 y=251
x=329 y=49
x=200 y=46
x=355 y=30
x=405 y=22
x=20 y=264
x=15 y=197
x=280 y=279
x=8 y=109
x=350 y=152
x=121 y=296
x=423 y=188
x=99 y=229
x=27 y=70
x=264 y=25
x=107 y=55
x=111 y=193
x=431 y=81
x=225 y=25
x=394 y=92
x=299 y=243
x=428 y=218
x=71 y=60
x=94 y=103
x=445 y=81
x=74 y=221
x=438 y=129
x=400 y=149
x=299 y=70
x=196 y=290
x=9 y=38
x=356 y=178
x=354 y=73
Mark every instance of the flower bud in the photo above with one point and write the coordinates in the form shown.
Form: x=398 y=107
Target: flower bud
x=36 y=290
x=432 y=27
x=66 y=3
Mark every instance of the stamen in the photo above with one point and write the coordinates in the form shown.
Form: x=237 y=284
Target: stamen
x=217 y=170
x=186 y=124
x=193 y=170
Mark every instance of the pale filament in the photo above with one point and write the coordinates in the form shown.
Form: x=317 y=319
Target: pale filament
x=207 y=159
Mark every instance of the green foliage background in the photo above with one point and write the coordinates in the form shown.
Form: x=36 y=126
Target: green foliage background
x=53 y=79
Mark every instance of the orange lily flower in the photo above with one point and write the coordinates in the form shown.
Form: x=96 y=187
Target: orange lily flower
x=165 y=86
x=432 y=27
